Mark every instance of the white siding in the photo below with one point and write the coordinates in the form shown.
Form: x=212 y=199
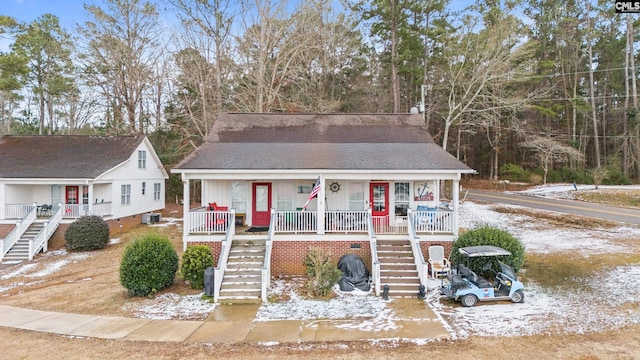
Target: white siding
x=128 y=173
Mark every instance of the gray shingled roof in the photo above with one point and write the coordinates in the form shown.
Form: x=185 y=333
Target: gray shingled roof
x=320 y=141
x=63 y=156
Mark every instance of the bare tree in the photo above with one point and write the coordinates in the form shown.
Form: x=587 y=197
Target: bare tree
x=121 y=46
x=549 y=151
x=481 y=67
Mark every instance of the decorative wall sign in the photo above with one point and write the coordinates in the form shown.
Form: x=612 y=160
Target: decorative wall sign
x=422 y=192
x=335 y=187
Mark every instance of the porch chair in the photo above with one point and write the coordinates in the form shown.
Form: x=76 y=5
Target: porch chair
x=438 y=263
x=217 y=219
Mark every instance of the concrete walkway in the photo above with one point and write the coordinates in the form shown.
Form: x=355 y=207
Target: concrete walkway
x=230 y=324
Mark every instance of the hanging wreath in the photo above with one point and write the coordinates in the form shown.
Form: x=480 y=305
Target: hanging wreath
x=335 y=187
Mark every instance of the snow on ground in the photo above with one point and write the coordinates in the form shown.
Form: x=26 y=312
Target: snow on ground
x=607 y=301
x=173 y=306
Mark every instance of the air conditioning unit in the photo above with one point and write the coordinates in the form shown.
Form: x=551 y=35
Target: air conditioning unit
x=146 y=218
x=154 y=218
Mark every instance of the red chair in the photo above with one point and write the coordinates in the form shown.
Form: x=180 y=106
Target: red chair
x=217 y=219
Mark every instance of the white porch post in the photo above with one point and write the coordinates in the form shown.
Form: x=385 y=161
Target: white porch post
x=455 y=190
x=90 y=195
x=185 y=211
x=321 y=207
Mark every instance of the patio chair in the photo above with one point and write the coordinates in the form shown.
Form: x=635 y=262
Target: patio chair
x=217 y=219
x=438 y=263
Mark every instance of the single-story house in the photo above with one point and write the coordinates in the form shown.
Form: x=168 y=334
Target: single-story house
x=385 y=192
x=47 y=182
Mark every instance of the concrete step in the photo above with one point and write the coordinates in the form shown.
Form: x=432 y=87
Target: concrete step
x=396 y=260
x=395 y=273
x=242 y=272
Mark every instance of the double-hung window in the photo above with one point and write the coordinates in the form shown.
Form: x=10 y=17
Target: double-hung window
x=157 y=187
x=125 y=194
x=402 y=197
x=142 y=159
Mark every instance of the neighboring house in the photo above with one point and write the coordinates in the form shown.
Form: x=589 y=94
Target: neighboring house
x=382 y=179
x=46 y=181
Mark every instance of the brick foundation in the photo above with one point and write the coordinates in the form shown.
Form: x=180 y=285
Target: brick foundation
x=216 y=249
x=424 y=246
x=287 y=257
x=116 y=227
x=5 y=229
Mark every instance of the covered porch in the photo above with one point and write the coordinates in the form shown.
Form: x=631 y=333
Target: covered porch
x=74 y=200
x=353 y=206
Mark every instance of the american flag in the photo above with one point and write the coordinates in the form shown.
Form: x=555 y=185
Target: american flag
x=314 y=193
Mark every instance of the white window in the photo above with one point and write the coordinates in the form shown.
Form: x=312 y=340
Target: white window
x=157 y=187
x=142 y=159
x=125 y=194
x=402 y=197
x=356 y=196
x=284 y=196
x=239 y=197
x=144 y=187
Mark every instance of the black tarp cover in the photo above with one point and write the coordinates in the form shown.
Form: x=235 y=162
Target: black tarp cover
x=354 y=273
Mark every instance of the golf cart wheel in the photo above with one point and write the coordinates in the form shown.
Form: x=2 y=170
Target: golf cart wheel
x=517 y=297
x=469 y=300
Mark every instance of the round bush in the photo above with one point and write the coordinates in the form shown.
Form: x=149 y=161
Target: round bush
x=149 y=264
x=489 y=235
x=194 y=261
x=87 y=233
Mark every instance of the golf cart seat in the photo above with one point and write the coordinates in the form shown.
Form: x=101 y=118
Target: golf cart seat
x=479 y=280
x=462 y=270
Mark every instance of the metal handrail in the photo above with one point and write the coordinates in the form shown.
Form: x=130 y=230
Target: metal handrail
x=375 y=263
x=266 y=266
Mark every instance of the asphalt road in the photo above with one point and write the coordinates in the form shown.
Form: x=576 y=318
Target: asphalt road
x=598 y=211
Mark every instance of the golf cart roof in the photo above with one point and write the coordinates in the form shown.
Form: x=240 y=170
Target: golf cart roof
x=483 y=250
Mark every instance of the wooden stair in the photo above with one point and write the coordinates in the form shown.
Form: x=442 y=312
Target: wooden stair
x=20 y=250
x=397 y=268
x=242 y=282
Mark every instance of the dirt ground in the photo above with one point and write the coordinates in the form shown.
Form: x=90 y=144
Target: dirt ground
x=92 y=287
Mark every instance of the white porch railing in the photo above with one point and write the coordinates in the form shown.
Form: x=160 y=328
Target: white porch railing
x=347 y=221
x=17 y=211
x=75 y=210
x=218 y=272
x=375 y=263
x=418 y=258
x=69 y=211
x=436 y=221
x=294 y=221
x=266 y=266
x=208 y=222
x=18 y=231
x=101 y=209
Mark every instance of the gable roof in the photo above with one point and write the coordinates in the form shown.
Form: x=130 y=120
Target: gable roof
x=63 y=156
x=320 y=141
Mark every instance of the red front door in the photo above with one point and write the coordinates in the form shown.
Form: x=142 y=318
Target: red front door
x=379 y=195
x=261 y=204
x=71 y=195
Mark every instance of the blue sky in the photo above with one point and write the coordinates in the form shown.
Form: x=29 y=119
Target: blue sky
x=70 y=12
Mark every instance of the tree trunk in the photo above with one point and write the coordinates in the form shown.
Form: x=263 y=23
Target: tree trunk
x=594 y=116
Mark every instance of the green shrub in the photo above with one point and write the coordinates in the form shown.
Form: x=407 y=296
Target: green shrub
x=323 y=274
x=87 y=233
x=489 y=235
x=194 y=261
x=149 y=264
x=513 y=172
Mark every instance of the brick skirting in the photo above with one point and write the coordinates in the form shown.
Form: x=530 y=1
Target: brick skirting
x=287 y=257
x=116 y=226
